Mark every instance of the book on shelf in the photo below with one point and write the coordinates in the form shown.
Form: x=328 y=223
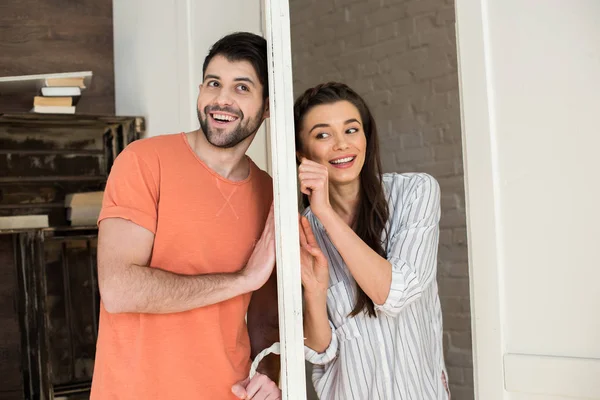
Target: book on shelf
x=78 y=81
x=54 y=101
x=54 y=109
x=33 y=83
x=24 y=222
x=83 y=208
x=58 y=93
x=61 y=91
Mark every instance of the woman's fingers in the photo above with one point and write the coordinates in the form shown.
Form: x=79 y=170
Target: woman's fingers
x=316 y=168
x=308 y=233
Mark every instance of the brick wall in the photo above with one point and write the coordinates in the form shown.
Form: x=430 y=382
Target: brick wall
x=401 y=56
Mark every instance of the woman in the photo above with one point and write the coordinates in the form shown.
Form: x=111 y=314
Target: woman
x=373 y=322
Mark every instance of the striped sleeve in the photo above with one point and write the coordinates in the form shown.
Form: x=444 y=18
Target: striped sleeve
x=412 y=249
x=328 y=355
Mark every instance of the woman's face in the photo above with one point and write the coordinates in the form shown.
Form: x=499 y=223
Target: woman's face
x=333 y=135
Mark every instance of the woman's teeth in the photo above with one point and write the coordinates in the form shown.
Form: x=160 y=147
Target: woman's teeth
x=342 y=160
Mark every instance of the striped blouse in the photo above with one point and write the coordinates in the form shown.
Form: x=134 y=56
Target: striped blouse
x=398 y=355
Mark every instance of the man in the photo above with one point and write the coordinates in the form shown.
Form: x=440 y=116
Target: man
x=181 y=248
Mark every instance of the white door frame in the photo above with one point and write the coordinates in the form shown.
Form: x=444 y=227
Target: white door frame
x=283 y=164
x=481 y=181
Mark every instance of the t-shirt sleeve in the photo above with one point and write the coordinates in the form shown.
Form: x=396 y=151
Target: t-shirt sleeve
x=131 y=191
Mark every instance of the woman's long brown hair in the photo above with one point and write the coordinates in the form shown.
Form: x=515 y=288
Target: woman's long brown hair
x=373 y=212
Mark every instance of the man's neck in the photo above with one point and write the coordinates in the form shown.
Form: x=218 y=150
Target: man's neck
x=231 y=164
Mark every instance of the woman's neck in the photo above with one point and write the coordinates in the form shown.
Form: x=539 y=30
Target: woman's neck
x=345 y=200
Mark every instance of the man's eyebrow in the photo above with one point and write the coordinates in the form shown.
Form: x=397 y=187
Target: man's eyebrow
x=211 y=77
x=245 y=79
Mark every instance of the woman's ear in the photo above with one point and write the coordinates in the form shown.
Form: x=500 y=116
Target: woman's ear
x=299 y=156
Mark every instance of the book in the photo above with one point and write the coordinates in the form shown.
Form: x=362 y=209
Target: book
x=60 y=91
x=83 y=208
x=66 y=82
x=54 y=109
x=24 y=222
x=83 y=215
x=84 y=199
x=52 y=101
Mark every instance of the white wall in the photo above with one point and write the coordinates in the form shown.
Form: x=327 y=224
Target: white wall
x=530 y=91
x=160 y=47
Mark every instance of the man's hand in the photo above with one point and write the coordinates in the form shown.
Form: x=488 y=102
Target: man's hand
x=260 y=387
x=314 y=268
x=261 y=263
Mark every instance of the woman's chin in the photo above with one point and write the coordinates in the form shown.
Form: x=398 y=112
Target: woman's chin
x=343 y=177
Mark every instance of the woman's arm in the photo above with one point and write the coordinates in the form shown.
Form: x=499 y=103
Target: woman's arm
x=372 y=272
x=394 y=282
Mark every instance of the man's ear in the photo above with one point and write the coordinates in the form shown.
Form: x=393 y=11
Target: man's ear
x=267 y=112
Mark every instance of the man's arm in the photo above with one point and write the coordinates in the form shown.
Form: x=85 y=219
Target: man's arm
x=128 y=285
x=263 y=326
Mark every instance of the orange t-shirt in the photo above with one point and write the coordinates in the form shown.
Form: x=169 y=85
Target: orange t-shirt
x=203 y=223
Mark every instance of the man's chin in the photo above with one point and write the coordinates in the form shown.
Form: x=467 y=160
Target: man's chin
x=224 y=143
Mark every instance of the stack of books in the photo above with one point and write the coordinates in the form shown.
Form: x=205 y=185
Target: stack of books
x=83 y=208
x=23 y=222
x=56 y=93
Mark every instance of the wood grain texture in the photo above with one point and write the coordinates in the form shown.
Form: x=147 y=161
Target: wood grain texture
x=11 y=382
x=47 y=36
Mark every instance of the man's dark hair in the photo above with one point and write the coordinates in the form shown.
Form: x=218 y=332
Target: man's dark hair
x=243 y=46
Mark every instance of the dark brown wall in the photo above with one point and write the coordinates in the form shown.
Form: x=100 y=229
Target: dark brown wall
x=47 y=36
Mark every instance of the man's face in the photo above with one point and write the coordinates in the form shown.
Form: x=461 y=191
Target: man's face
x=230 y=104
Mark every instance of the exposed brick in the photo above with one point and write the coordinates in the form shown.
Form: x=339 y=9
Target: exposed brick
x=456 y=375
x=384 y=49
x=432 y=135
x=446 y=237
x=459 y=236
x=433 y=69
x=386 y=31
x=462 y=392
x=450 y=201
x=358 y=10
x=446 y=152
x=454 y=286
x=457 y=322
x=413 y=155
x=468 y=377
x=425 y=22
x=453 y=218
x=433 y=102
x=342 y=2
x=460 y=340
x=417 y=7
x=410 y=141
x=444 y=16
x=445 y=83
x=454 y=305
x=384 y=15
x=438 y=169
x=413 y=60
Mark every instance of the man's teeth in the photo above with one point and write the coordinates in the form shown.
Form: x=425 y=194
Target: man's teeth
x=342 y=160
x=223 y=117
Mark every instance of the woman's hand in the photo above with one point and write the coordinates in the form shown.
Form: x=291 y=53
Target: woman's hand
x=314 y=270
x=314 y=182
